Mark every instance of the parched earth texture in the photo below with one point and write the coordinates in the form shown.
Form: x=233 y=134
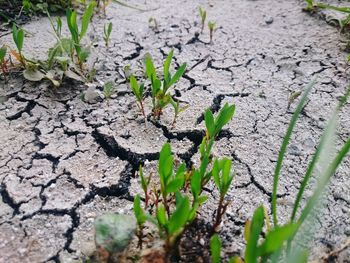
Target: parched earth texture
x=64 y=162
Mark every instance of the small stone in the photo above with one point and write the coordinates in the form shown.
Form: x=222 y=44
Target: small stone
x=269 y=20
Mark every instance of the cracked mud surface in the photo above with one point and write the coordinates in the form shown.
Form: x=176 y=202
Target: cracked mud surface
x=64 y=162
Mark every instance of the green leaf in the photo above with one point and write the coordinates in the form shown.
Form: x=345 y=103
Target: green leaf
x=275 y=239
x=86 y=19
x=135 y=87
x=161 y=216
x=202 y=199
x=175 y=185
x=225 y=115
x=138 y=211
x=167 y=66
x=196 y=184
x=179 y=218
x=150 y=70
x=2 y=53
x=216 y=174
x=181 y=70
x=284 y=148
x=251 y=252
x=165 y=165
x=144 y=183
x=209 y=122
x=215 y=248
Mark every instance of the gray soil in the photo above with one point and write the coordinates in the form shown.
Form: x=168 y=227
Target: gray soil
x=64 y=162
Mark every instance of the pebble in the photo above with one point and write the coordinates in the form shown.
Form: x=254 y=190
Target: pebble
x=269 y=20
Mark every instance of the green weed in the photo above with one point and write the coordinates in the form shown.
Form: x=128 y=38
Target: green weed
x=138 y=91
x=212 y=28
x=18 y=38
x=203 y=16
x=107 y=30
x=159 y=88
x=78 y=34
x=108 y=89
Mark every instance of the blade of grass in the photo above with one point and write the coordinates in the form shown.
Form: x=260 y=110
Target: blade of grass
x=284 y=148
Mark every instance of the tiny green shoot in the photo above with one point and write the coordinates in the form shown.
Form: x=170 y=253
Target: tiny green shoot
x=18 y=38
x=108 y=89
x=140 y=219
x=138 y=91
x=107 y=30
x=203 y=15
x=212 y=28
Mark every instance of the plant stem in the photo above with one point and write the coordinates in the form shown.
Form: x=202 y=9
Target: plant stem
x=219 y=213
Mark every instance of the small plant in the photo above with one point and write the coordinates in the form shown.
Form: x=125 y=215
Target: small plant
x=18 y=38
x=140 y=219
x=159 y=89
x=177 y=110
x=108 y=89
x=107 y=30
x=3 y=60
x=203 y=15
x=212 y=28
x=76 y=34
x=138 y=92
x=223 y=183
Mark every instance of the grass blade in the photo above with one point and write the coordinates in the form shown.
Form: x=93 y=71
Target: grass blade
x=284 y=148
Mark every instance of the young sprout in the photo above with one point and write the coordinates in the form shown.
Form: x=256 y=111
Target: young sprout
x=212 y=28
x=177 y=110
x=203 y=15
x=145 y=184
x=3 y=60
x=140 y=219
x=18 y=38
x=76 y=34
x=159 y=89
x=138 y=92
x=108 y=90
x=223 y=183
x=107 y=32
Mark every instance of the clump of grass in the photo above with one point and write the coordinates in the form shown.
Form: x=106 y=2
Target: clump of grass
x=203 y=16
x=107 y=30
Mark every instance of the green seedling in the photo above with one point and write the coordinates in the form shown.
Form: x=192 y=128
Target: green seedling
x=159 y=89
x=3 y=60
x=138 y=92
x=215 y=248
x=140 y=219
x=212 y=28
x=203 y=15
x=78 y=34
x=177 y=110
x=223 y=182
x=108 y=89
x=145 y=184
x=107 y=30
x=18 y=38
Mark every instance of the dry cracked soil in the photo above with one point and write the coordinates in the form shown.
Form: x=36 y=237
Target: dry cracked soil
x=64 y=162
